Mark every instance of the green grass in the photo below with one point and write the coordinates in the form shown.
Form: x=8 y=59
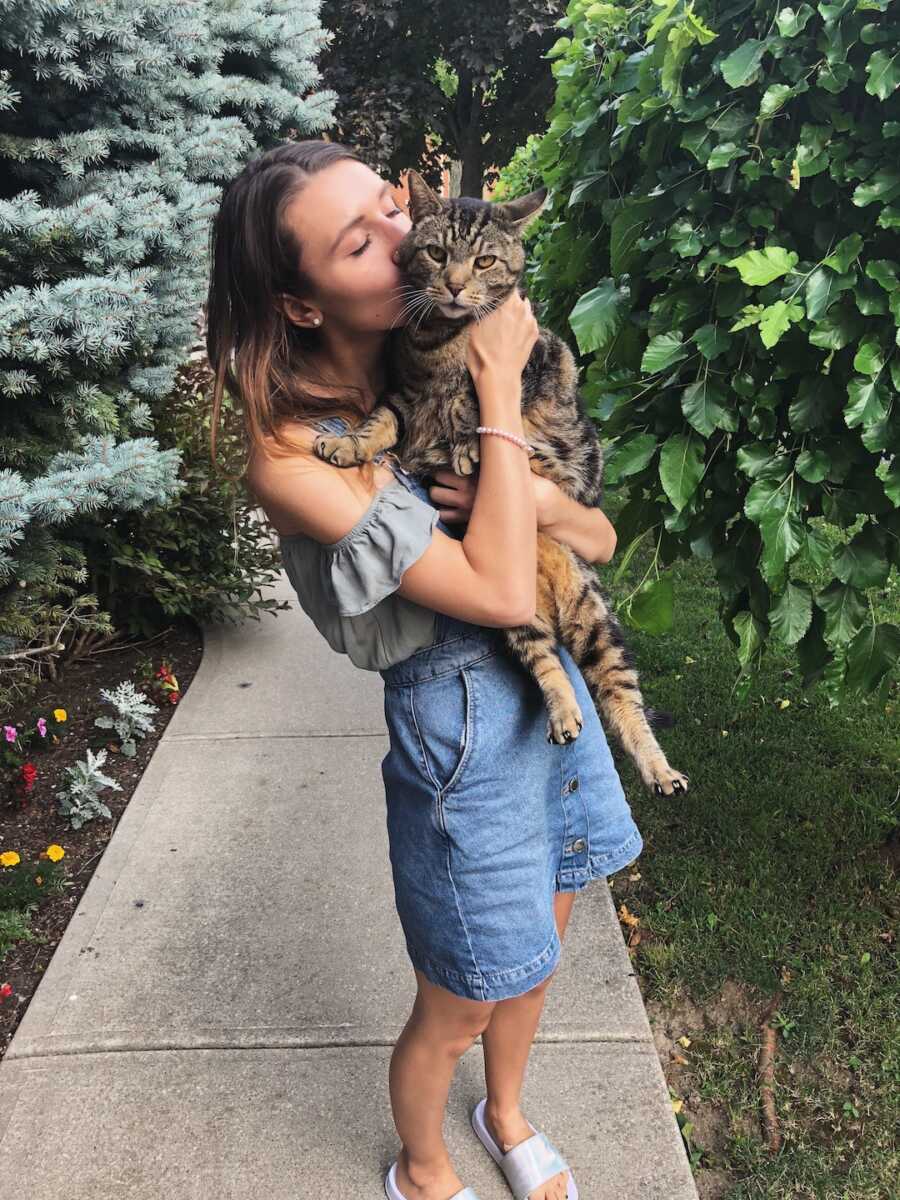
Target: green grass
x=774 y=873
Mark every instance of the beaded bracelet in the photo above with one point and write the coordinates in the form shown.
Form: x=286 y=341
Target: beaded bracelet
x=511 y=437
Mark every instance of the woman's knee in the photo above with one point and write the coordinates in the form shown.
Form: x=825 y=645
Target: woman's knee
x=455 y=1021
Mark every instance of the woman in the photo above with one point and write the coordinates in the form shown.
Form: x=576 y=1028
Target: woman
x=491 y=828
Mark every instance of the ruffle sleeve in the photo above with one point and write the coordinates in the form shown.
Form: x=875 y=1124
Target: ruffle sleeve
x=368 y=562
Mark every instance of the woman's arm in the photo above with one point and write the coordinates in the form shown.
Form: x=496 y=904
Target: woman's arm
x=586 y=529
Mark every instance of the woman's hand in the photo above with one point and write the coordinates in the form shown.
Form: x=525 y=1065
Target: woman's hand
x=455 y=495
x=501 y=343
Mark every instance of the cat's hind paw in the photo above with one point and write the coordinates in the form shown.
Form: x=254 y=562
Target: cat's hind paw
x=565 y=724
x=672 y=783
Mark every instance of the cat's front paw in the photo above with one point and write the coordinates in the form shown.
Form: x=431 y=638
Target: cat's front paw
x=342 y=450
x=464 y=456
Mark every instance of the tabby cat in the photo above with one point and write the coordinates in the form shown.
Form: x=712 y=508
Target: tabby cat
x=460 y=260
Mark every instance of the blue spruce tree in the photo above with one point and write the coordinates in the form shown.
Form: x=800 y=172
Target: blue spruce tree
x=118 y=123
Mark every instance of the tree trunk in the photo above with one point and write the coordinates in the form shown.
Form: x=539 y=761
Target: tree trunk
x=455 y=168
x=467 y=113
x=473 y=153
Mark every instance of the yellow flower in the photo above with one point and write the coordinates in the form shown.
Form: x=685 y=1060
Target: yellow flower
x=784 y=703
x=55 y=853
x=9 y=858
x=60 y=714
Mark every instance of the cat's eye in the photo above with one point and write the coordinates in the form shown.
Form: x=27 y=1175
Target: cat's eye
x=437 y=253
x=483 y=261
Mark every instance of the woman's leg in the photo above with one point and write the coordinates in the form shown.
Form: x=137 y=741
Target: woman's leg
x=507 y=1043
x=441 y=1027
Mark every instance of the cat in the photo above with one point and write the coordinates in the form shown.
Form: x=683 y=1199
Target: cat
x=429 y=415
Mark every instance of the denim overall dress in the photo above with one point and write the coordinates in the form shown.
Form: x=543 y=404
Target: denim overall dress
x=486 y=819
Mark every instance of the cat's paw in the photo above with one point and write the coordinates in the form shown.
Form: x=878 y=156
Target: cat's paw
x=565 y=723
x=464 y=456
x=670 y=783
x=342 y=450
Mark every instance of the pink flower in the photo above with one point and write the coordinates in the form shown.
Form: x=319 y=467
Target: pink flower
x=42 y=726
x=5 y=990
x=11 y=732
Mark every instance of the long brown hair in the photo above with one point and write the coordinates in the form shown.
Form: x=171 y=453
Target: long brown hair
x=254 y=350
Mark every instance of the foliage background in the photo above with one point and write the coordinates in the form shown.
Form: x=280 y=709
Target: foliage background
x=721 y=242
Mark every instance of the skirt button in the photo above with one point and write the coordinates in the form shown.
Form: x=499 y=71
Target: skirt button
x=579 y=845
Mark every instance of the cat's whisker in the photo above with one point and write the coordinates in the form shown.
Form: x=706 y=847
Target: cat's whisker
x=428 y=309
x=411 y=308
x=413 y=302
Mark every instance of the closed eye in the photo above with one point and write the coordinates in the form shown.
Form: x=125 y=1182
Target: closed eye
x=368 y=241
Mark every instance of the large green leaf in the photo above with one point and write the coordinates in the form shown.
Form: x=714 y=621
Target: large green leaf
x=868 y=402
x=759 y=267
x=791 y=23
x=813 y=465
x=872 y=654
x=751 y=637
x=863 y=561
x=869 y=356
x=791 y=614
x=782 y=534
x=652 y=607
x=822 y=288
x=776 y=319
x=766 y=498
x=844 y=253
x=759 y=460
x=703 y=404
x=629 y=457
x=662 y=351
x=741 y=65
x=681 y=467
x=883 y=70
x=599 y=315
x=845 y=610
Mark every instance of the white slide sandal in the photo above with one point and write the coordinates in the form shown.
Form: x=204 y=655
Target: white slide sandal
x=527 y=1165
x=394 y=1193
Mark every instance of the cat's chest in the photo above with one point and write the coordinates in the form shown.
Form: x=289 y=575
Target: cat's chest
x=422 y=361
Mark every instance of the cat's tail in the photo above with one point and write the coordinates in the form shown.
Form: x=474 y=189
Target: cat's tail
x=596 y=640
x=659 y=718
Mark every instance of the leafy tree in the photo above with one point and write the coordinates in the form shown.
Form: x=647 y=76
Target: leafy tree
x=473 y=73
x=722 y=242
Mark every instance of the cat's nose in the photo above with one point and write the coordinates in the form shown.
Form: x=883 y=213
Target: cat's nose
x=455 y=288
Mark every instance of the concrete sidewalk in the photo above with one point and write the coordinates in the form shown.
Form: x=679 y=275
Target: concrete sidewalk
x=217 y=1021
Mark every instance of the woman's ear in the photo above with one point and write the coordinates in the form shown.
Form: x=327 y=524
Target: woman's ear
x=298 y=312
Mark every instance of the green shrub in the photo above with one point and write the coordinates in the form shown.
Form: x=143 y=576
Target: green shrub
x=722 y=243
x=207 y=556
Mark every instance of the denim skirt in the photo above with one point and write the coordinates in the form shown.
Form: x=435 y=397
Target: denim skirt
x=486 y=819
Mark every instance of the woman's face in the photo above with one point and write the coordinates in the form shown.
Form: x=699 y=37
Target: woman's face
x=349 y=226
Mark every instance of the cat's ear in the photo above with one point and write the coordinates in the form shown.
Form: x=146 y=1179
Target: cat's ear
x=423 y=201
x=523 y=210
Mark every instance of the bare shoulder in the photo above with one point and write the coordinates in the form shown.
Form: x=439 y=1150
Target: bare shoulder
x=301 y=493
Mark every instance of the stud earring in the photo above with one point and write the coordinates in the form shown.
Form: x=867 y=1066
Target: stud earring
x=317 y=321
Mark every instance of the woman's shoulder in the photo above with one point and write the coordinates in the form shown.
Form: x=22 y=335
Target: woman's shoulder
x=275 y=475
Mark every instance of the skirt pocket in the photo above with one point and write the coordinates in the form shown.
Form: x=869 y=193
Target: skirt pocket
x=442 y=718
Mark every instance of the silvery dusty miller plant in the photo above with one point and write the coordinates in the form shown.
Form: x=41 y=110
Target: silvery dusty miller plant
x=133 y=715
x=79 y=800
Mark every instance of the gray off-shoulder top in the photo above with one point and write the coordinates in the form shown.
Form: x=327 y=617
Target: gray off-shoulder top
x=348 y=588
